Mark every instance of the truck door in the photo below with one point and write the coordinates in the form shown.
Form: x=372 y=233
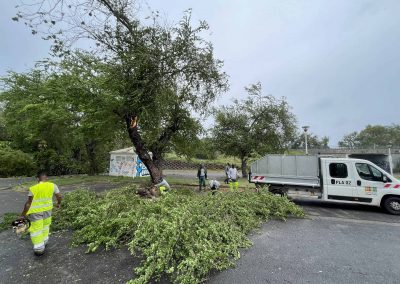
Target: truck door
x=370 y=181
x=340 y=184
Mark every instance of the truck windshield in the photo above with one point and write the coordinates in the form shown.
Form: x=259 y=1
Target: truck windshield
x=368 y=172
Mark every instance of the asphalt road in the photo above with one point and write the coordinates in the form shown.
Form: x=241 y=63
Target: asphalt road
x=335 y=244
x=61 y=263
x=6 y=183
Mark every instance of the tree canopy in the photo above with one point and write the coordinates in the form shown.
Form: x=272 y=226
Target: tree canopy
x=254 y=126
x=313 y=141
x=54 y=116
x=156 y=75
x=373 y=136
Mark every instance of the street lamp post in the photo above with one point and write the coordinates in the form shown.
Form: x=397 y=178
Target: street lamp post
x=305 y=128
x=390 y=158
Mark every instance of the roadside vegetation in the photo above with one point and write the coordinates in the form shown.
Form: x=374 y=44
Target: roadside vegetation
x=15 y=162
x=77 y=181
x=6 y=220
x=182 y=236
x=216 y=158
x=85 y=181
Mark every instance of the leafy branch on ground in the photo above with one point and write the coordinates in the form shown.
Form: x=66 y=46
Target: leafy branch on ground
x=183 y=235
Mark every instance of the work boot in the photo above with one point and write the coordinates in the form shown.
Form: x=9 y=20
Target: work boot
x=38 y=252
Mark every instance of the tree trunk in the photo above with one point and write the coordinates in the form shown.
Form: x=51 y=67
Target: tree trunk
x=244 y=167
x=152 y=165
x=90 y=146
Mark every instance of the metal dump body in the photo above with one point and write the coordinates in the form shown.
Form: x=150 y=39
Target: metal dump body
x=286 y=170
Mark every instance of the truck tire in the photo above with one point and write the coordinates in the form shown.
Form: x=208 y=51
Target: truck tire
x=392 y=205
x=277 y=191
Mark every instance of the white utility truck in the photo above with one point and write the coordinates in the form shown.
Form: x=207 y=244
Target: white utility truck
x=330 y=179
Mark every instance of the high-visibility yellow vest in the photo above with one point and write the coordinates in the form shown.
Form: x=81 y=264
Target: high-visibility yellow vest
x=162 y=190
x=42 y=197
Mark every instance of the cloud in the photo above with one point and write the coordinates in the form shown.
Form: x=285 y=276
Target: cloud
x=337 y=62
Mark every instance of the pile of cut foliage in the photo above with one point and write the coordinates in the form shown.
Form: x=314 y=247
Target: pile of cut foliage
x=182 y=235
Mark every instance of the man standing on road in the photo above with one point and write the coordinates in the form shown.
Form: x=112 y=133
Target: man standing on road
x=38 y=208
x=233 y=178
x=202 y=176
x=227 y=167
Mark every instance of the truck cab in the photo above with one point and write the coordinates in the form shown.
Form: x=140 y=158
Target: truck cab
x=359 y=181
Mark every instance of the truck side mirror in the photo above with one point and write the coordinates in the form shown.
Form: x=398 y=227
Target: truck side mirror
x=384 y=179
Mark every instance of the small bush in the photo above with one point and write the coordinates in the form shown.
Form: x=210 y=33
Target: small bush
x=15 y=163
x=56 y=164
x=183 y=236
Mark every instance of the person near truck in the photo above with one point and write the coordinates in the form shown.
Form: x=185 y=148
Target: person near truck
x=233 y=176
x=38 y=209
x=202 y=176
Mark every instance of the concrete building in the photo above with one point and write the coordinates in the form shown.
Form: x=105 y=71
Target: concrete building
x=125 y=162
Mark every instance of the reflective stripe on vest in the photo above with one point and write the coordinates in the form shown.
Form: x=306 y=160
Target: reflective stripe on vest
x=42 y=197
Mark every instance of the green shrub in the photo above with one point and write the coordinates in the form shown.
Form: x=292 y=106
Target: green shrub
x=183 y=236
x=15 y=163
x=56 y=164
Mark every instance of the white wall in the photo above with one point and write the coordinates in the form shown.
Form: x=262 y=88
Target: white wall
x=125 y=164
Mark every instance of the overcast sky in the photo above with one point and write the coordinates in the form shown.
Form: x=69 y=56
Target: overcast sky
x=336 y=62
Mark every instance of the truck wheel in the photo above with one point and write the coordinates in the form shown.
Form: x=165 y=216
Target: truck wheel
x=277 y=191
x=392 y=205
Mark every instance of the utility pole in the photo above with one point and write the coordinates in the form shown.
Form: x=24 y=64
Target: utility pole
x=305 y=128
x=390 y=158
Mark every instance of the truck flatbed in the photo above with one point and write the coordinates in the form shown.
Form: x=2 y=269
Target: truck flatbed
x=288 y=170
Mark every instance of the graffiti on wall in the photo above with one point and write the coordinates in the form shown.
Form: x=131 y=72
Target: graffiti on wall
x=127 y=165
x=141 y=170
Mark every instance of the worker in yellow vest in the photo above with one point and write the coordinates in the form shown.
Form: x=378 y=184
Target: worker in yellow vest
x=38 y=208
x=233 y=176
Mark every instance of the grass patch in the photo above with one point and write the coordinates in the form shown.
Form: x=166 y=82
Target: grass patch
x=171 y=181
x=8 y=218
x=182 y=235
x=83 y=181
x=192 y=183
x=220 y=160
x=76 y=180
